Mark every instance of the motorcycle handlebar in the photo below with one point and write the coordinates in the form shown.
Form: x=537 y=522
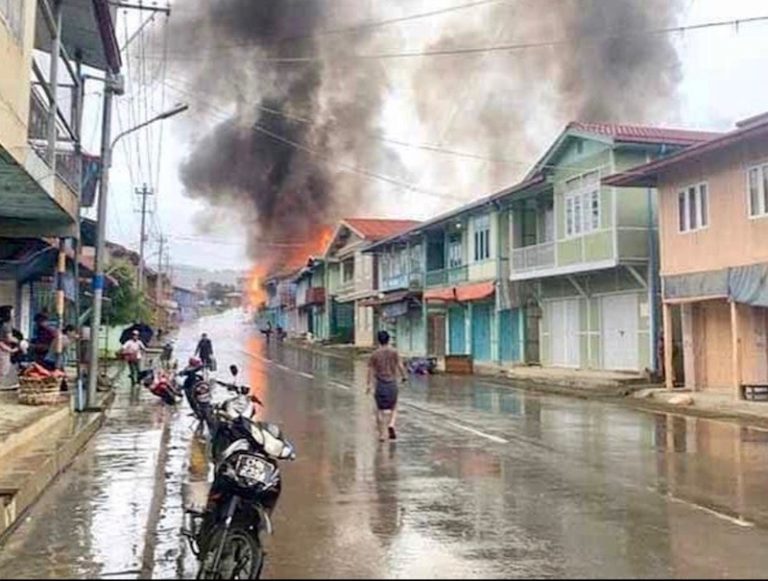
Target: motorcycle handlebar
x=241 y=389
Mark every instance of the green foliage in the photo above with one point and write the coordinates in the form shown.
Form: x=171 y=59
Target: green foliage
x=217 y=291
x=126 y=304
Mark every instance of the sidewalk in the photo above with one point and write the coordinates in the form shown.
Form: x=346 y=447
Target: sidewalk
x=571 y=381
x=703 y=404
x=37 y=443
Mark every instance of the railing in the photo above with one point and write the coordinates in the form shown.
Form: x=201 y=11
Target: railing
x=409 y=280
x=314 y=296
x=458 y=274
x=437 y=277
x=533 y=257
x=67 y=162
x=443 y=277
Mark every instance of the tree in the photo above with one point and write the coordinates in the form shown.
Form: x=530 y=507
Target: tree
x=126 y=303
x=217 y=291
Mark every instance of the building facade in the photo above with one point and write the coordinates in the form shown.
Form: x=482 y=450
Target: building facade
x=714 y=258
x=350 y=277
x=557 y=270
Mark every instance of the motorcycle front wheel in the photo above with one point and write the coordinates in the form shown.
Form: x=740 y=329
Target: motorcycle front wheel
x=236 y=555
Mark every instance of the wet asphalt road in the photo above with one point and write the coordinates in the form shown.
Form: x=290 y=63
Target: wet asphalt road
x=485 y=481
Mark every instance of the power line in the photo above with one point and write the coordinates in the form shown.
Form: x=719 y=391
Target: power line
x=618 y=35
x=341 y=165
x=423 y=146
x=372 y=135
x=352 y=29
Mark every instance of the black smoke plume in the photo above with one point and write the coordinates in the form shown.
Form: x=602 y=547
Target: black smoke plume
x=505 y=106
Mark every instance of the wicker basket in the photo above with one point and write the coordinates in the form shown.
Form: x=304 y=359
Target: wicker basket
x=39 y=391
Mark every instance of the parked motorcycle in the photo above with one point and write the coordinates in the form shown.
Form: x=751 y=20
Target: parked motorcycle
x=197 y=390
x=226 y=537
x=161 y=384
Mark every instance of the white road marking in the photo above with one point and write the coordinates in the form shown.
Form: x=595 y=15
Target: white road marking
x=479 y=433
x=307 y=375
x=283 y=367
x=339 y=385
x=738 y=521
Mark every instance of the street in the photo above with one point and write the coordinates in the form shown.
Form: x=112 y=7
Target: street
x=484 y=481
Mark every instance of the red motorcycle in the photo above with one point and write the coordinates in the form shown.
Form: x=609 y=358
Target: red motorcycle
x=162 y=384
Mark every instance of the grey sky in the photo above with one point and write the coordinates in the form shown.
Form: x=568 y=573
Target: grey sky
x=723 y=81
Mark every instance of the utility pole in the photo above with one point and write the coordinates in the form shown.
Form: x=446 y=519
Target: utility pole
x=143 y=192
x=160 y=269
x=113 y=85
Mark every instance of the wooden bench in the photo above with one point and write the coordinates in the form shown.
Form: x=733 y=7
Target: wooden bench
x=754 y=391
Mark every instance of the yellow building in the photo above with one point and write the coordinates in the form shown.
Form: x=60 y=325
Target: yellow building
x=40 y=169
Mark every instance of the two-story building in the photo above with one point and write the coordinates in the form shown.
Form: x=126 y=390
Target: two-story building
x=556 y=270
x=443 y=287
x=42 y=170
x=310 y=300
x=350 y=277
x=587 y=255
x=714 y=257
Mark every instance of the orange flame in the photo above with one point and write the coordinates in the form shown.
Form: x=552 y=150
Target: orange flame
x=293 y=261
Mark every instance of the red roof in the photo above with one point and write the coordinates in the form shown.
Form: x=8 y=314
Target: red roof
x=463 y=293
x=643 y=134
x=374 y=229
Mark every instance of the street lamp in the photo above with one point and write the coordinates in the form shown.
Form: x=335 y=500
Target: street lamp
x=107 y=147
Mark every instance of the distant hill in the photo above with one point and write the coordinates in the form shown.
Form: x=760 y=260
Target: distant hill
x=188 y=276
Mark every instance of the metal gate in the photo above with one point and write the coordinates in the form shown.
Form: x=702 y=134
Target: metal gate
x=481 y=331
x=457 y=338
x=509 y=335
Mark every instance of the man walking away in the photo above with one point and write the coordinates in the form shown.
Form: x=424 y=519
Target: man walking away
x=204 y=351
x=132 y=351
x=385 y=368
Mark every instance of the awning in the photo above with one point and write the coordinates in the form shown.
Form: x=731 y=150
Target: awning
x=742 y=284
x=461 y=294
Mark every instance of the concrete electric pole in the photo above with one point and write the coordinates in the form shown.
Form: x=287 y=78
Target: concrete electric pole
x=143 y=192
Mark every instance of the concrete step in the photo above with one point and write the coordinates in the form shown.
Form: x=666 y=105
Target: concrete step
x=31 y=423
x=29 y=470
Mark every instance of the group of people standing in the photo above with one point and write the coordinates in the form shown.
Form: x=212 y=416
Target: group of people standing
x=134 y=346
x=48 y=346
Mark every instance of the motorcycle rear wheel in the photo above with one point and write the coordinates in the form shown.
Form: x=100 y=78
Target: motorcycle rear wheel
x=241 y=557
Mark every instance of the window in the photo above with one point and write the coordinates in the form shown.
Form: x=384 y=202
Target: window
x=758 y=191
x=416 y=258
x=455 y=251
x=582 y=204
x=348 y=270
x=693 y=208
x=482 y=229
x=12 y=14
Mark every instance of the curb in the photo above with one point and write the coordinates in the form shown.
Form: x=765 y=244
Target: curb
x=621 y=395
x=16 y=500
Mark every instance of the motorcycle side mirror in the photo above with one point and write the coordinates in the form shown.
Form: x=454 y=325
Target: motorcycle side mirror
x=233 y=370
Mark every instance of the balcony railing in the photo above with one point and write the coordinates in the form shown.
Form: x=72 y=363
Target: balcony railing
x=314 y=296
x=68 y=164
x=437 y=277
x=533 y=257
x=412 y=280
x=447 y=276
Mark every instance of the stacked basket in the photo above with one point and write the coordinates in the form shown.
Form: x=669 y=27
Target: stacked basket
x=39 y=391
